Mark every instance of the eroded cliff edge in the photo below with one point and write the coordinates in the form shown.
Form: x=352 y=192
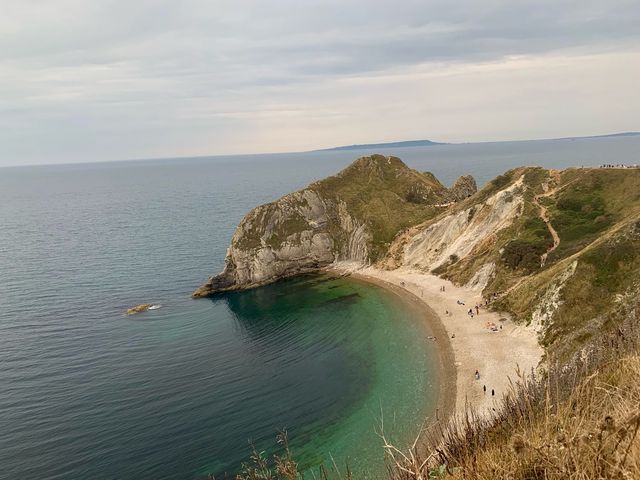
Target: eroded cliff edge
x=352 y=216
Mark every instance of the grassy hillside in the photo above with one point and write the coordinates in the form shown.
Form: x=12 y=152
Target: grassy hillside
x=572 y=290
x=385 y=194
x=596 y=214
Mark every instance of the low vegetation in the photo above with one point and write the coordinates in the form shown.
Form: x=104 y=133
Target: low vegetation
x=386 y=195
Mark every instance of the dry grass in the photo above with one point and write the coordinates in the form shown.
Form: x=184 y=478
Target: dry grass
x=592 y=434
x=580 y=420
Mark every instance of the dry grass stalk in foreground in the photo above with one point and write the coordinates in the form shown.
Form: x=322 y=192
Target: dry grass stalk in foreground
x=579 y=421
x=280 y=467
x=592 y=434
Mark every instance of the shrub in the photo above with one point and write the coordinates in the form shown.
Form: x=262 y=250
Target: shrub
x=523 y=254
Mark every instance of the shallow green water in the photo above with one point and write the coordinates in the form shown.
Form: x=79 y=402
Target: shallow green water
x=355 y=354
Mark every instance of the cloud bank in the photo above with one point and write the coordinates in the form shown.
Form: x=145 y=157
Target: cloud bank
x=107 y=80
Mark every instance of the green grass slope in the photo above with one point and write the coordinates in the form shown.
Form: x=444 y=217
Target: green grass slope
x=386 y=195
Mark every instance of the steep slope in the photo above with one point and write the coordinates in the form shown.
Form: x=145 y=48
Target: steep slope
x=595 y=269
x=492 y=236
x=353 y=216
x=557 y=249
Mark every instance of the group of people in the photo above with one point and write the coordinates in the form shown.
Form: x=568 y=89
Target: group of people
x=617 y=165
x=484 y=387
x=470 y=311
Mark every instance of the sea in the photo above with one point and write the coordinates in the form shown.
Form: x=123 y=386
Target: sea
x=193 y=387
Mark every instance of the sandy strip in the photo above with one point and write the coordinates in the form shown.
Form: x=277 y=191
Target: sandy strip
x=467 y=342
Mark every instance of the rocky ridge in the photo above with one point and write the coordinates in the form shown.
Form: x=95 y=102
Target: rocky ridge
x=352 y=216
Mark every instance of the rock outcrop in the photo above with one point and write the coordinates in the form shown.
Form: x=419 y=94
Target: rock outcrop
x=464 y=187
x=352 y=216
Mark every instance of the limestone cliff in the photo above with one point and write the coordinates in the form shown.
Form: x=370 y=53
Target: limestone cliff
x=558 y=249
x=352 y=216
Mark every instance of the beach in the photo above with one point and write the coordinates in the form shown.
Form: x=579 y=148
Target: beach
x=466 y=344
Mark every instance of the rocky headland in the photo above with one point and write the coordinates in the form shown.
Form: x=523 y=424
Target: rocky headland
x=352 y=216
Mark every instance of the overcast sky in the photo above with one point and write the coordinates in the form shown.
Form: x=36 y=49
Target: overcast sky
x=109 y=80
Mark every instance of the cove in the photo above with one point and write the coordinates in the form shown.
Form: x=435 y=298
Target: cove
x=324 y=358
x=178 y=392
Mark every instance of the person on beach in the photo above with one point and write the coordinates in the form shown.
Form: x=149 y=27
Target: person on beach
x=484 y=388
x=477 y=310
x=493 y=392
x=477 y=375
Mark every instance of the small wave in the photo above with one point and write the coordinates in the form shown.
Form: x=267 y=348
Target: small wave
x=154 y=307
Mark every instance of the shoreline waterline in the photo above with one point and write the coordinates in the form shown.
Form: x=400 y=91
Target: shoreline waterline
x=464 y=344
x=429 y=321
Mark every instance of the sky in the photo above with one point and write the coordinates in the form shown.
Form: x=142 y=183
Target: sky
x=95 y=80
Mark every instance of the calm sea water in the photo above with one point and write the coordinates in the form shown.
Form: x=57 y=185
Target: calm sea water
x=86 y=392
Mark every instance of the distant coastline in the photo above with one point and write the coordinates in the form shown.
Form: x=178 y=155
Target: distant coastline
x=362 y=148
x=428 y=143
x=407 y=143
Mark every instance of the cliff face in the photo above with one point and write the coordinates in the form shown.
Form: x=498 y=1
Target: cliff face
x=557 y=249
x=352 y=216
x=456 y=235
x=298 y=233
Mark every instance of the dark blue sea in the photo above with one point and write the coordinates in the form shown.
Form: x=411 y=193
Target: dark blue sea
x=180 y=392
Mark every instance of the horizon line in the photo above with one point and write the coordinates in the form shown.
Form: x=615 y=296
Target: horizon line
x=392 y=144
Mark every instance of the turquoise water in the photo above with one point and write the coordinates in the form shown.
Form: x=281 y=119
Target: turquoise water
x=176 y=393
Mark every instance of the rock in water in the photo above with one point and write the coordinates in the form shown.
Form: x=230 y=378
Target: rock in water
x=352 y=216
x=143 y=307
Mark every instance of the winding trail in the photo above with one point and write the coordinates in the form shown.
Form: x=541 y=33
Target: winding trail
x=544 y=215
x=555 y=177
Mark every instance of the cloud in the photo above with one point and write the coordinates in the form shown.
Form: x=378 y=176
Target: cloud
x=146 y=78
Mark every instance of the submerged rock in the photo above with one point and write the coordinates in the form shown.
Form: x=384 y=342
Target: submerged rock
x=143 y=307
